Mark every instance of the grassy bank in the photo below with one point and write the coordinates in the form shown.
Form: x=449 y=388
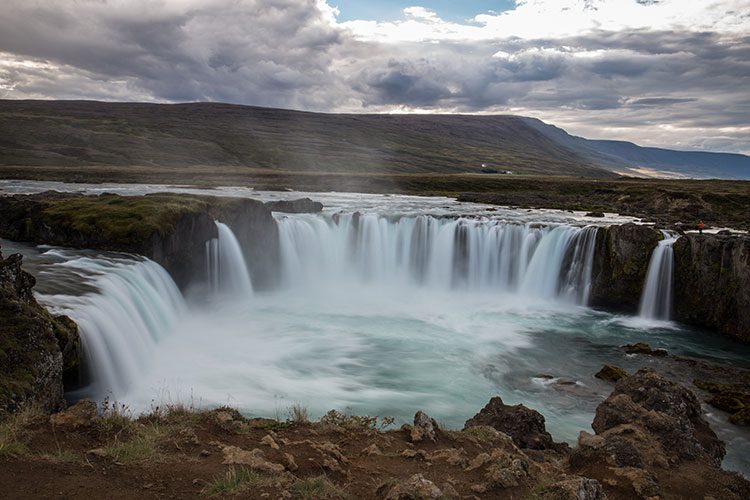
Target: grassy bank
x=717 y=202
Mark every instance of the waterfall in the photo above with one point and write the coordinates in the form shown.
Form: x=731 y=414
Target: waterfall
x=656 y=299
x=226 y=268
x=135 y=304
x=471 y=254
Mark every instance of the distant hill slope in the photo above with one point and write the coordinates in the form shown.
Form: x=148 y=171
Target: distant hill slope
x=75 y=133
x=94 y=133
x=621 y=156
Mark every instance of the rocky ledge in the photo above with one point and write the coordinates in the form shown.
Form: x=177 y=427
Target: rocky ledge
x=170 y=229
x=37 y=350
x=711 y=276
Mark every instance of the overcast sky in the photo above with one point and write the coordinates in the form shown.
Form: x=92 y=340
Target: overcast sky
x=672 y=73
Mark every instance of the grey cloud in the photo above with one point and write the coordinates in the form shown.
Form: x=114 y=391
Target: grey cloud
x=284 y=53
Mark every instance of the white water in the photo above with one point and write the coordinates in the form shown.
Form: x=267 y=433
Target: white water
x=383 y=317
x=437 y=253
x=135 y=307
x=656 y=299
x=226 y=268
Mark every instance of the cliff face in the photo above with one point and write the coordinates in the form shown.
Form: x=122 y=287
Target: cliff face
x=620 y=265
x=712 y=283
x=36 y=348
x=169 y=229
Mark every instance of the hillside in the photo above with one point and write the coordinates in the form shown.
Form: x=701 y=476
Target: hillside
x=622 y=156
x=74 y=133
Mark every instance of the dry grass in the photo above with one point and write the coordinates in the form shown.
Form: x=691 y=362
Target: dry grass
x=237 y=480
x=318 y=487
x=15 y=431
x=298 y=414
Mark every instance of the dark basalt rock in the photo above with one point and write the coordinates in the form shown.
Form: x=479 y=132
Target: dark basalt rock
x=35 y=347
x=595 y=214
x=620 y=265
x=167 y=228
x=644 y=348
x=668 y=412
x=300 y=206
x=712 y=283
x=525 y=426
x=611 y=373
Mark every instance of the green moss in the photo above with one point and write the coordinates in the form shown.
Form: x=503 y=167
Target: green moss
x=122 y=218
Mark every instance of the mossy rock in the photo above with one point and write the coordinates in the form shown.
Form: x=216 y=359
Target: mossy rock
x=731 y=402
x=611 y=373
x=742 y=417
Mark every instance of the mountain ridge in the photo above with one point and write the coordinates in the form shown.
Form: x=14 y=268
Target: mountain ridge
x=84 y=133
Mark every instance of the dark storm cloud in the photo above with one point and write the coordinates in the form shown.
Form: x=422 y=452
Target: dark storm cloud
x=291 y=53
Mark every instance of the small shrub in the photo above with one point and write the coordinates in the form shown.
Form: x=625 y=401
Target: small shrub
x=353 y=422
x=115 y=418
x=298 y=414
x=481 y=433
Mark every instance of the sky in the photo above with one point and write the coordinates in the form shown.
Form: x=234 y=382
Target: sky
x=672 y=73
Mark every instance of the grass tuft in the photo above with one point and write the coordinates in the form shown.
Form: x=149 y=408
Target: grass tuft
x=15 y=431
x=318 y=487
x=236 y=480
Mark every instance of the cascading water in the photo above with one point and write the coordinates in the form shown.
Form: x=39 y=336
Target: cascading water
x=226 y=267
x=135 y=305
x=656 y=300
x=472 y=254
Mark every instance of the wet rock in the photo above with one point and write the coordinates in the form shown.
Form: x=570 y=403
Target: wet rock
x=644 y=348
x=579 y=488
x=81 y=414
x=300 y=206
x=31 y=358
x=254 y=459
x=414 y=488
x=733 y=398
x=525 y=426
x=621 y=258
x=595 y=214
x=611 y=373
x=712 y=283
x=668 y=412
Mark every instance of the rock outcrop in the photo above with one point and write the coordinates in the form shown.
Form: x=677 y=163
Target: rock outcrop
x=36 y=348
x=712 y=283
x=620 y=265
x=300 y=206
x=650 y=436
x=170 y=229
x=524 y=425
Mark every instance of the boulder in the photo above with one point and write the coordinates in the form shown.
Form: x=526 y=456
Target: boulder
x=414 y=488
x=424 y=427
x=667 y=412
x=525 y=426
x=611 y=373
x=578 y=488
x=595 y=214
x=644 y=348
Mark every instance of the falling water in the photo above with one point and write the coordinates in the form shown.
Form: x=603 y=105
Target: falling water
x=226 y=267
x=656 y=300
x=135 y=305
x=472 y=254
